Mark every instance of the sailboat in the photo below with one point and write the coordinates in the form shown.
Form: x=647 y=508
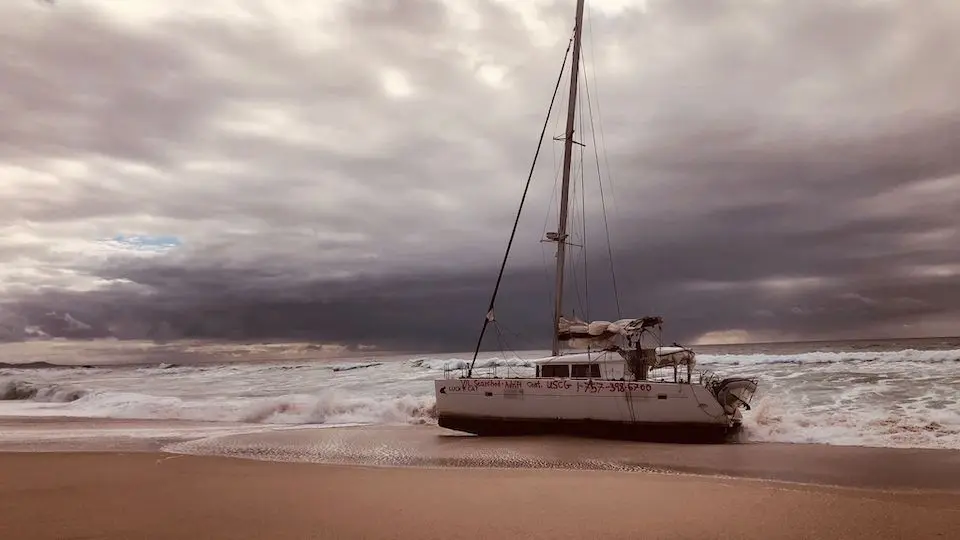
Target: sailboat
x=622 y=382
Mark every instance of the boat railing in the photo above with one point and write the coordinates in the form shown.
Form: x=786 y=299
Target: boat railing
x=454 y=372
x=707 y=378
x=485 y=372
x=670 y=374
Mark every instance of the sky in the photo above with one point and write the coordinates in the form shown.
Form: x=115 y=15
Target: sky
x=349 y=172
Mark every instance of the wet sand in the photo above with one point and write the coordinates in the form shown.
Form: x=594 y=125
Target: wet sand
x=58 y=433
x=430 y=446
x=149 y=495
x=433 y=483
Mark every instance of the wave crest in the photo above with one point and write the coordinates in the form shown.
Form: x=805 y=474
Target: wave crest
x=328 y=407
x=334 y=407
x=829 y=357
x=773 y=419
x=451 y=364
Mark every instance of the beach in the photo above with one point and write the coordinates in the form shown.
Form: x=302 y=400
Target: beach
x=155 y=495
x=426 y=482
x=843 y=441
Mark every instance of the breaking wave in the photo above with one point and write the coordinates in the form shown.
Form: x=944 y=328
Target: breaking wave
x=16 y=390
x=329 y=407
x=776 y=419
x=338 y=408
x=351 y=367
x=829 y=357
x=452 y=364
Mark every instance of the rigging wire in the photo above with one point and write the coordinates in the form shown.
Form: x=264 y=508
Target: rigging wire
x=489 y=314
x=603 y=204
x=505 y=346
x=583 y=219
x=557 y=173
x=578 y=229
x=596 y=89
x=546 y=220
x=572 y=259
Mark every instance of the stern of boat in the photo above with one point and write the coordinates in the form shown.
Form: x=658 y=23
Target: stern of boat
x=734 y=394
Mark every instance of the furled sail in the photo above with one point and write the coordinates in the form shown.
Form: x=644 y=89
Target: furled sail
x=579 y=334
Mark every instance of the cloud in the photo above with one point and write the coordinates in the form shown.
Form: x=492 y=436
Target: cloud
x=349 y=171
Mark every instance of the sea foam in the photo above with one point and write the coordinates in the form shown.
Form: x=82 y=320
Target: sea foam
x=907 y=398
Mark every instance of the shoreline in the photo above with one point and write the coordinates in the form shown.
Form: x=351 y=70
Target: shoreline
x=433 y=447
x=158 y=495
x=161 y=454
x=424 y=447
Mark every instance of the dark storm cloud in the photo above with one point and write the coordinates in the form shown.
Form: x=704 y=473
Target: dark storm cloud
x=76 y=85
x=789 y=169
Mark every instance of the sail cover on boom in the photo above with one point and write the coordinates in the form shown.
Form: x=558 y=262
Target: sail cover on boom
x=579 y=334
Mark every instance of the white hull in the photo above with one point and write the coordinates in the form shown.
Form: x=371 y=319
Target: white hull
x=624 y=409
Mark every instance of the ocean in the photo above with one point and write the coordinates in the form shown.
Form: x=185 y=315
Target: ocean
x=892 y=393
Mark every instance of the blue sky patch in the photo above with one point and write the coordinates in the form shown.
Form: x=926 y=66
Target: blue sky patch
x=147 y=242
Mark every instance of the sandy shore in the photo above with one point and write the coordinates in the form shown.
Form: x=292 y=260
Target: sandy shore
x=430 y=446
x=150 y=495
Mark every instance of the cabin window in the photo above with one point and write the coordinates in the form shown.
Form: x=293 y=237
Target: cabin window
x=585 y=371
x=556 y=370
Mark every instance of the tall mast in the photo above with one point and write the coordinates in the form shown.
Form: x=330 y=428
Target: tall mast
x=565 y=187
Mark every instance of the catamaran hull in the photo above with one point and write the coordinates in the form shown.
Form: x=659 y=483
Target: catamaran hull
x=641 y=410
x=601 y=429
